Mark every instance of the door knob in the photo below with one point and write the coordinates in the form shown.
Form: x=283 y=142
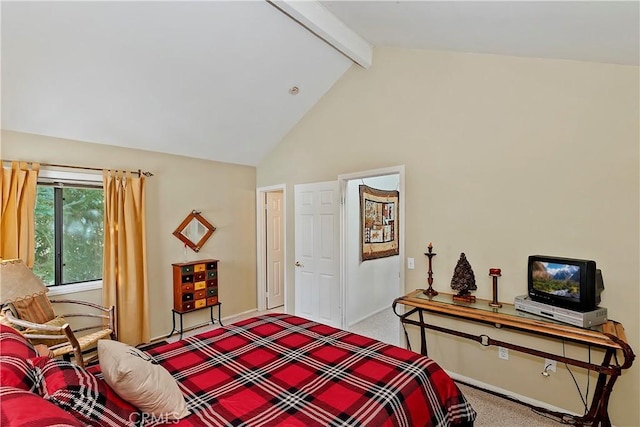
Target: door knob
x=297 y=264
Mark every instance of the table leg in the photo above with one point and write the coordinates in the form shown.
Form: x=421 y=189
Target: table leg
x=173 y=325
x=180 y=325
x=598 y=412
x=219 y=318
x=423 y=336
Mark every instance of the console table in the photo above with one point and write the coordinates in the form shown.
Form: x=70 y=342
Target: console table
x=609 y=337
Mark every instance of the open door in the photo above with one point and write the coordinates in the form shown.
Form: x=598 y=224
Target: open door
x=275 y=249
x=317 y=252
x=271 y=252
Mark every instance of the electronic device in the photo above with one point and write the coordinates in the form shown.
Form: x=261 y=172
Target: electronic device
x=583 y=319
x=574 y=284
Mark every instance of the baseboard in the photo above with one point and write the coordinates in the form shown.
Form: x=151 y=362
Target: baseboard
x=363 y=318
x=509 y=394
x=229 y=319
x=225 y=320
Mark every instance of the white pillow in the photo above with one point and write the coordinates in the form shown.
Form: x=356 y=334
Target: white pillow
x=145 y=385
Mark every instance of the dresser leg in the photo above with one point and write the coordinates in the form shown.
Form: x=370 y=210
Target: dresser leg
x=173 y=323
x=213 y=321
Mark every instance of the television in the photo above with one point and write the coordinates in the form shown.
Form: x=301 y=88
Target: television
x=574 y=284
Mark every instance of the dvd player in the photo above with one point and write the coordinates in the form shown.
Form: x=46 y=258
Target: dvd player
x=583 y=319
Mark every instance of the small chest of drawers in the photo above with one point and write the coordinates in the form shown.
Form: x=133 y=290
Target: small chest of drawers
x=195 y=285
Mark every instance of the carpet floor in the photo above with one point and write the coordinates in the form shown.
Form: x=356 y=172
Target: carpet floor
x=495 y=411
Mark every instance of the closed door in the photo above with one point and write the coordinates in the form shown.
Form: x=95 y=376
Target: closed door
x=317 y=266
x=275 y=250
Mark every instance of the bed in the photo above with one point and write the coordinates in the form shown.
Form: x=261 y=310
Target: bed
x=283 y=370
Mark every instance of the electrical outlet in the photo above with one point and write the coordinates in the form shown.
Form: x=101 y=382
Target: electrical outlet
x=503 y=353
x=549 y=365
x=411 y=263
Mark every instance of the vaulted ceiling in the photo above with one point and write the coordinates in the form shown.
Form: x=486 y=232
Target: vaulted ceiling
x=215 y=79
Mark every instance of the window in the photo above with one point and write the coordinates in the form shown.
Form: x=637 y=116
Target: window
x=69 y=228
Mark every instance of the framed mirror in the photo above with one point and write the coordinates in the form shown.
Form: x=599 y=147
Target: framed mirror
x=194 y=231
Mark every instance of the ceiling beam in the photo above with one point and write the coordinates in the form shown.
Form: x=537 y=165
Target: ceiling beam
x=316 y=18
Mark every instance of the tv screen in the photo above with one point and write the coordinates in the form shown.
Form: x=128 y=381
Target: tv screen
x=565 y=282
x=557 y=279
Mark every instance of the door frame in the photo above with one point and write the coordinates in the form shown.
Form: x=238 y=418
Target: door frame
x=343 y=179
x=261 y=249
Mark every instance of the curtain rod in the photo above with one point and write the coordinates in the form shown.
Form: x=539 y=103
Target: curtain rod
x=139 y=172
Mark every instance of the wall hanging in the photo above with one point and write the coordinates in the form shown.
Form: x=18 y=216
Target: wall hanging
x=378 y=223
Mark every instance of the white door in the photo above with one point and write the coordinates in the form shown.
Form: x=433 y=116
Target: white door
x=275 y=250
x=317 y=252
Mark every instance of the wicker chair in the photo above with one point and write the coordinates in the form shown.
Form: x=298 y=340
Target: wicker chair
x=27 y=308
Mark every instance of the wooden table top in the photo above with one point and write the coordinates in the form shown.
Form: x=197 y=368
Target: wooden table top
x=609 y=335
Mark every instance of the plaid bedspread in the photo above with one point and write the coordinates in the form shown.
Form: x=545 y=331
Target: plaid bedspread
x=282 y=370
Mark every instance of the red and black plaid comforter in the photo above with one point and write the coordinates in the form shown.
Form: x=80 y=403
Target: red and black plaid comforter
x=279 y=370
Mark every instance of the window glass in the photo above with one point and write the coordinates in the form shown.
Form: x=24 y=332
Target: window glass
x=69 y=234
x=82 y=225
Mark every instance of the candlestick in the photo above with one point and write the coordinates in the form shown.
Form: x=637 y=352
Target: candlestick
x=430 y=291
x=495 y=273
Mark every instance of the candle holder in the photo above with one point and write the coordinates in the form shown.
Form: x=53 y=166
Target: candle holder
x=495 y=273
x=430 y=291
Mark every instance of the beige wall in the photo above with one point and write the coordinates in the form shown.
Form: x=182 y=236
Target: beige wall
x=224 y=193
x=505 y=157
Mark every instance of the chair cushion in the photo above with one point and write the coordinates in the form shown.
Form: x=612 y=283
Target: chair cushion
x=82 y=394
x=37 y=309
x=14 y=352
x=56 y=321
x=21 y=408
x=139 y=380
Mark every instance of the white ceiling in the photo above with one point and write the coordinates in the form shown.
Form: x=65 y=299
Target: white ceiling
x=211 y=79
x=598 y=31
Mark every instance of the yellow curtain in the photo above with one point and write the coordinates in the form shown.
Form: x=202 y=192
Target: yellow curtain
x=17 y=211
x=124 y=276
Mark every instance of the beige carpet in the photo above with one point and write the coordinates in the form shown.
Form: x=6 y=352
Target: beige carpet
x=494 y=411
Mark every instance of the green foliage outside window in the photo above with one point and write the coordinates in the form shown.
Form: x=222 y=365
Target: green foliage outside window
x=82 y=234
x=43 y=265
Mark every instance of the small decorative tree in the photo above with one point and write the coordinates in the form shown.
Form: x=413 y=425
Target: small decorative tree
x=463 y=280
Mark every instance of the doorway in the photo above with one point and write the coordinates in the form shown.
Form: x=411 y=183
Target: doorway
x=271 y=247
x=369 y=287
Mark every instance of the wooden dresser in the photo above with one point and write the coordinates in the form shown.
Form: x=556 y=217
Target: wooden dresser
x=195 y=286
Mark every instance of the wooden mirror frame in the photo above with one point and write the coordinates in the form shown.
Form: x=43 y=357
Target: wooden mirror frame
x=179 y=232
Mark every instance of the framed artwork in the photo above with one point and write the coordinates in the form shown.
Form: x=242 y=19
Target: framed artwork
x=378 y=223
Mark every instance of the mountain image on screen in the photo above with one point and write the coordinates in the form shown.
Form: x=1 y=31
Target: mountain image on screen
x=557 y=279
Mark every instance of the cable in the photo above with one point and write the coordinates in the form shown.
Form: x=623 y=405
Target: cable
x=555 y=416
x=584 y=402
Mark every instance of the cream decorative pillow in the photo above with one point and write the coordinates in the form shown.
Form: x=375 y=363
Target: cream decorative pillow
x=147 y=386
